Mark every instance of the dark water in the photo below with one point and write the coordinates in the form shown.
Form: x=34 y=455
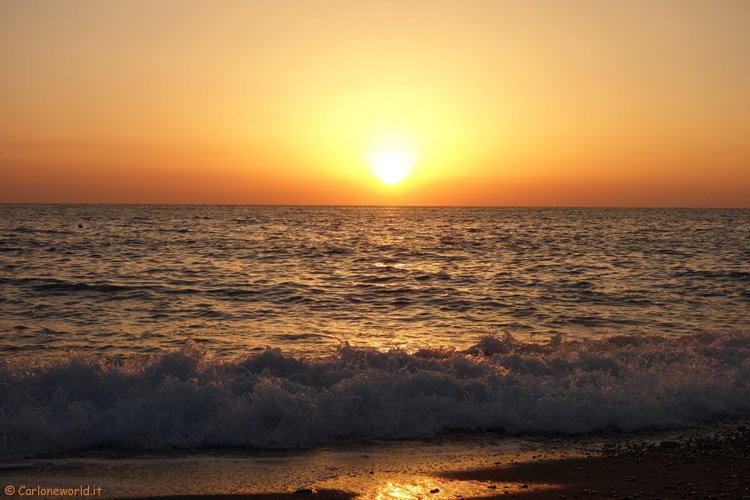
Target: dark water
x=138 y=278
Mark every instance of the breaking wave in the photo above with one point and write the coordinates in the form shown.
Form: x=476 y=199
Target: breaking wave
x=188 y=399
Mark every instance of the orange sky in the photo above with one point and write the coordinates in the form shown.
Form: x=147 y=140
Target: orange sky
x=604 y=103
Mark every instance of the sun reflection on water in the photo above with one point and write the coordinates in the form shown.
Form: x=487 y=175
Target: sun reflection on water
x=396 y=265
x=403 y=491
x=435 y=488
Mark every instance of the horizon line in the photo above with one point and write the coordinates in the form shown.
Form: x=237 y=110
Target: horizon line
x=344 y=205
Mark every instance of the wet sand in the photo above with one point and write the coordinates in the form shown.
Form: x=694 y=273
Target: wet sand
x=711 y=462
x=655 y=476
x=319 y=495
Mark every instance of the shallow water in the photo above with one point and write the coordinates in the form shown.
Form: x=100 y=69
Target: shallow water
x=374 y=470
x=136 y=279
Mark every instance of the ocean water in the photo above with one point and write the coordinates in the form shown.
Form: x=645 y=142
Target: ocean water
x=138 y=279
x=159 y=327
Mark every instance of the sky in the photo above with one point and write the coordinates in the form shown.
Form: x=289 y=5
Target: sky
x=506 y=103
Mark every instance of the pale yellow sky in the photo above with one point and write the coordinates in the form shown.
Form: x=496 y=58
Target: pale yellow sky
x=502 y=103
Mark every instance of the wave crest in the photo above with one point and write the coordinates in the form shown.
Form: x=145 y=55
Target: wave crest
x=188 y=399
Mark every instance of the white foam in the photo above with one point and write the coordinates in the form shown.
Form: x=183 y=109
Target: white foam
x=269 y=400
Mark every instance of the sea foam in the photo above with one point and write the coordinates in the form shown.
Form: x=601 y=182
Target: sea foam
x=188 y=399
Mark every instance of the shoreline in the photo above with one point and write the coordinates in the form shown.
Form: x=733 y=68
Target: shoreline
x=714 y=466
x=704 y=462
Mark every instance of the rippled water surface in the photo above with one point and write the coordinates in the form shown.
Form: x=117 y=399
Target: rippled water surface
x=139 y=278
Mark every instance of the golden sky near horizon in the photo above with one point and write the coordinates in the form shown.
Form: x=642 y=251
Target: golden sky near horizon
x=604 y=103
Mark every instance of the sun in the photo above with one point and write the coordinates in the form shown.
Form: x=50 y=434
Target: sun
x=391 y=165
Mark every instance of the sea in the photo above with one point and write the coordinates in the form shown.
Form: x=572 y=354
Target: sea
x=176 y=327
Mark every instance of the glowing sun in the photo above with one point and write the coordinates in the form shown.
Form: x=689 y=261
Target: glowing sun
x=391 y=165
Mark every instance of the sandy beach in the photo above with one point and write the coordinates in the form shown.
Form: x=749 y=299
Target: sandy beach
x=703 y=468
x=707 y=462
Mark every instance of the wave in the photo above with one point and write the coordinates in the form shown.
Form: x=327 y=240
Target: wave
x=188 y=399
